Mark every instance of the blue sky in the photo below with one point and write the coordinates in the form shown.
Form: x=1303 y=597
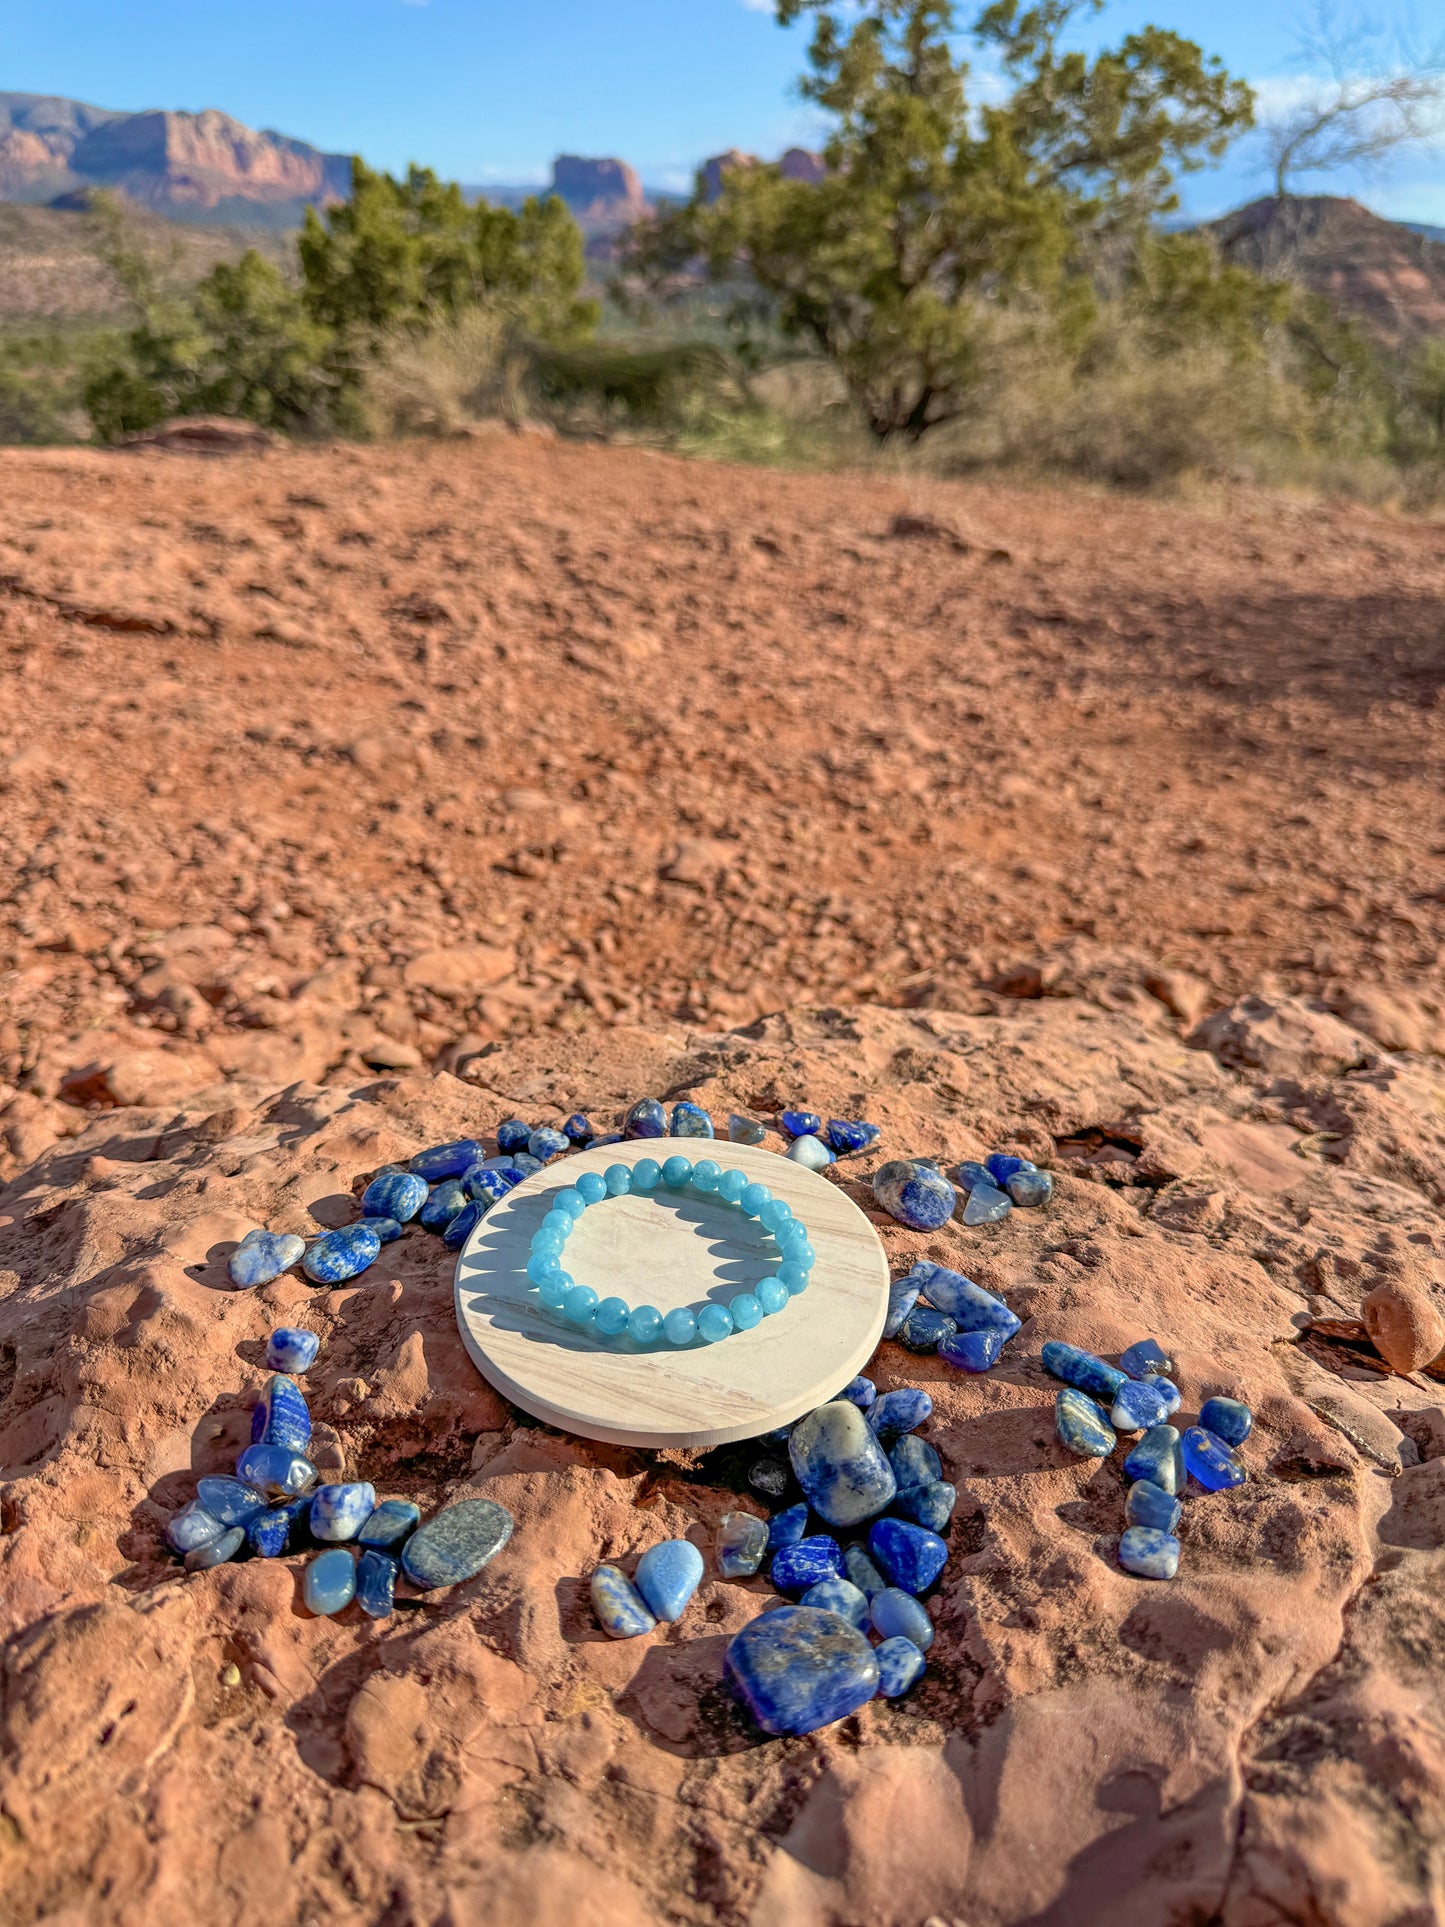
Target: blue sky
x=492 y=89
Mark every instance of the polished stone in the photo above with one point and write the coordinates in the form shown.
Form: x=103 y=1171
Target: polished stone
x=1158 y=1458
x=861 y=1392
x=839 y=1596
x=262 y=1256
x=620 y=1608
x=1081 y=1425
x=191 y=1527
x=803 y=1564
x=1150 y=1505
x=798 y=1669
x=1147 y=1359
x=231 y=1501
x=745 y=1130
x=216 y=1552
x=801 y=1123
x=900 y=1665
x=914 y=1462
x=485 y=1185
x=1029 y=1189
x=898 y=1615
x=691 y=1120
x=667 y=1576
x=902 y=1297
x=1149 y=1554
x=916 y=1194
x=461 y=1227
x=901 y=1411
x=811 y=1152
x=395 y=1194
x=450 y=1160
x=330 y=1582
x=967 y=1304
x=844 y=1137
x=930 y=1504
x=456 y=1544
x=391 y=1522
x=514 y=1134
x=340 y=1511
x=279 y=1530
x=788 y=1527
x=578 y=1128
x=1138 y=1404
x=1169 y=1392
x=646 y=1119
x=545 y=1143
x=1209 y=1461
x=274 y=1471
x=376 y=1583
x=862 y=1571
x=387 y=1229
x=1083 y=1370
x=279 y=1416
x=444 y=1204
x=970 y=1173
x=1228 y=1419
x=339 y=1255
x=908 y=1556
x=840 y=1465
x=742 y=1539
x=973 y=1351
x=289 y=1349
x=1002 y=1165
x=925 y=1329
x=986 y=1205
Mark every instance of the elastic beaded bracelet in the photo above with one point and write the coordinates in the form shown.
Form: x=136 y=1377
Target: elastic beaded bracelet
x=614 y=1317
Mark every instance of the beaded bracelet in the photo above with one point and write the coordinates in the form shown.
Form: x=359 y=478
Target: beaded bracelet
x=613 y=1316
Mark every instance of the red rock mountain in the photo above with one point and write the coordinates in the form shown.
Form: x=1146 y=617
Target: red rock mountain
x=599 y=190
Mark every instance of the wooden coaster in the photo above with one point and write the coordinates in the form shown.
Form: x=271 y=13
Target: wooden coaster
x=668 y=1248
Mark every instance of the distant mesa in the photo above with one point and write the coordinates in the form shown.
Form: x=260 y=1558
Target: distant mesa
x=798 y=164
x=599 y=191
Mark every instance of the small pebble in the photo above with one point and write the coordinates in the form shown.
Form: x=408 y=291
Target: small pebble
x=667 y=1577
x=514 y=1135
x=461 y=1227
x=216 y=1552
x=787 y=1528
x=231 y=1675
x=278 y=1530
x=339 y=1255
x=902 y=1297
x=1083 y=1370
x=898 y=1615
x=1227 y=1419
x=274 y=1471
x=799 y=1566
x=915 y=1193
x=279 y=1416
x=1209 y=1461
x=449 y=1160
x=1081 y=1425
x=444 y=1204
x=768 y=1477
x=746 y=1130
x=901 y=1411
x=1138 y=1404
x=646 y=1119
x=340 y=1511
x=290 y=1349
x=973 y=1351
x=839 y=1596
x=1150 y=1505
x=986 y=1205
x=193 y=1527
x=578 y=1128
x=1029 y=1189
x=1149 y=1554
x=545 y=1143
x=376 y=1583
x=969 y=1173
x=900 y=1665
x=329 y=1585
x=914 y=1462
x=525 y=1164
x=862 y=1571
x=690 y=1120
x=967 y=1304
x=396 y=1194
x=1158 y=1458
x=387 y=1229
x=811 y=1152
x=844 y=1138
x=486 y=1186
x=391 y=1522
x=925 y=1329
x=742 y=1539
x=798 y=1669
x=230 y=1500
x=861 y=1392
x=1147 y=1359
x=621 y=1610
x=908 y=1556
x=929 y=1505
x=801 y=1123
x=1003 y=1165
x=262 y=1256
x=456 y=1543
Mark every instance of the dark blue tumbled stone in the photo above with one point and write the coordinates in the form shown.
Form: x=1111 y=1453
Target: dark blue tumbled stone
x=280 y=1417
x=395 y=1194
x=840 y=1465
x=339 y=1255
x=192 y=1526
x=1150 y=1505
x=646 y=1119
x=1157 y=1457
x=925 y=1329
x=1081 y=1425
x=290 y=1349
x=1084 y=1370
x=907 y=1555
x=447 y=1160
x=902 y=1297
x=456 y=1544
x=929 y=1505
x=274 y=1471
x=486 y=1185
x=973 y=1351
x=915 y=1193
x=900 y=1664
x=443 y=1205
x=1001 y=1166
x=970 y=1173
x=799 y=1668
x=787 y=1528
x=216 y=1552
x=1029 y=1189
x=1209 y=1461
x=1149 y=1554
x=463 y=1225
x=801 y=1123
x=1138 y=1404
x=691 y=1120
x=376 y=1583
x=578 y=1127
x=967 y=1304
x=262 y=1256
x=280 y=1529
x=1146 y=1359
x=513 y=1135
x=844 y=1137
x=914 y=1462
x=338 y=1512
x=391 y=1522
x=901 y=1411
x=896 y=1614
x=861 y=1392
x=862 y=1571
x=387 y=1229
x=1228 y=1419
x=799 y=1566
x=545 y=1143
x=620 y=1608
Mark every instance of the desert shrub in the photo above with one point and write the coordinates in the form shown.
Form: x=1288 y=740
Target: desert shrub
x=435 y=381
x=28 y=411
x=671 y=382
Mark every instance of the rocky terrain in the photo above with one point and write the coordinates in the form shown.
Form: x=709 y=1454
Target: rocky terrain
x=352 y=800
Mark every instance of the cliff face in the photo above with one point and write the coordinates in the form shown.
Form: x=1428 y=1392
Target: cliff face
x=599 y=190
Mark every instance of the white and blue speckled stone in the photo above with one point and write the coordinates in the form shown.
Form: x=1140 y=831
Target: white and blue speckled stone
x=840 y=1465
x=620 y=1608
x=262 y=1256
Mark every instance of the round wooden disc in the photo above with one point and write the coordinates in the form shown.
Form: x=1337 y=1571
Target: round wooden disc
x=668 y=1248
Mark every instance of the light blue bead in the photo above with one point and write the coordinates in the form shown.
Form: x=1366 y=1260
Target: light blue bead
x=898 y=1615
x=714 y=1323
x=290 y=1349
x=393 y=1521
x=262 y=1256
x=754 y=1197
x=396 y=1194
x=340 y=1511
x=546 y=1143
x=618 y=1179
x=280 y=1415
x=620 y=1608
x=802 y=1255
x=691 y=1120
x=463 y=1224
x=571 y=1201
x=793 y=1278
x=1081 y=1425
x=579 y=1305
x=644 y=1325
x=746 y=1311
x=1150 y=1505
x=667 y=1577
x=731 y=1186
x=775 y=1214
x=446 y=1200
x=330 y=1582
x=799 y=1669
x=676 y=1172
x=553 y=1291
x=592 y=1187
x=547 y=1242
x=1149 y=1554
x=193 y=1526
x=611 y=1317
x=841 y=1596
x=340 y=1255
x=680 y=1326
x=705 y=1175
x=1227 y=1419
x=646 y=1119
x=561 y=1222
x=376 y=1584
x=646 y=1174
x=900 y=1665
x=541 y=1266
x=772 y=1294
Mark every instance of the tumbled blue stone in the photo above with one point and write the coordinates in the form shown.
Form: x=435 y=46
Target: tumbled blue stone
x=840 y=1465
x=861 y=1392
x=330 y=1582
x=546 y=1143
x=450 y=1160
x=839 y=1596
x=578 y=1127
x=930 y=1504
x=787 y=1528
x=970 y=1173
x=525 y=1165
x=485 y=1185
x=444 y=1204
x=799 y=1566
x=193 y=1526
x=898 y=1615
x=396 y=1194
x=862 y=1571
x=967 y=1304
x=290 y=1349
x=461 y=1227
x=1227 y=1419
x=801 y=1123
x=280 y=1417
x=986 y=1205
x=742 y=1539
x=276 y=1531
x=1138 y=1404
x=973 y=1351
x=907 y=1555
x=1150 y=1505
x=273 y=1470
x=925 y=1329
x=512 y=1135
x=646 y=1119
x=844 y=1136
x=387 y=1229
x=1209 y=1461
x=667 y=1576
x=1146 y=1359
x=620 y=1608
x=1029 y=1189
x=232 y=1501
x=745 y=1130
x=1169 y=1392
x=1081 y=1425
x=1149 y=1554
x=391 y=1522
x=376 y=1583
x=456 y=1544
x=799 y=1669
x=914 y=1462
x=340 y=1511
x=900 y=1665
x=914 y=1193
x=216 y=1552
x=1084 y=1370
x=902 y=1297
x=339 y=1255
x=262 y=1256
x=1001 y=1165
x=1157 y=1457
x=901 y=1411
x=691 y=1120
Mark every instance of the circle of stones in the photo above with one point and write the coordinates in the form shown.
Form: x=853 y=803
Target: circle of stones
x=644 y=1324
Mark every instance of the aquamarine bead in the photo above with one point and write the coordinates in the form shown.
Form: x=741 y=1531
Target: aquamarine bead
x=772 y=1294
x=714 y=1323
x=330 y=1582
x=746 y=1311
x=646 y=1174
x=553 y=1291
x=802 y=1254
x=754 y=1197
x=541 y=1266
x=791 y=1235
x=591 y=1188
x=558 y=1221
x=680 y=1326
x=793 y=1278
x=611 y=1317
x=618 y=1180
x=545 y=1243
x=705 y=1174
x=731 y=1186
x=571 y=1201
x=676 y=1172
x=644 y=1324
x=579 y=1305
x=775 y=1214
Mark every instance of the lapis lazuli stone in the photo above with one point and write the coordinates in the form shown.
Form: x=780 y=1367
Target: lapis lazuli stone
x=986 y=1205
x=973 y=1351
x=930 y=1504
x=861 y=1392
x=450 y=1160
x=513 y=1134
x=620 y=1608
x=691 y=1120
x=901 y=1411
x=667 y=1577
x=1081 y=1425
x=900 y=1665
x=742 y=1539
x=279 y=1416
x=278 y=1530
x=844 y=1137
x=970 y=1173
x=862 y=1571
x=1227 y=1419
x=232 y=1501
x=799 y=1566
x=787 y=1528
x=391 y=1522
x=545 y=1143
x=525 y=1165
x=376 y=1583
x=446 y=1200
x=330 y=1582
x=967 y=1304
x=456 y=1544
x=907 y=1555
x=898 y=1615
x=340 y=1511
x=1029 y=1189
x=1146 y=1359
x=902 y=1297
x=1138 y=1404
x=1084 y=1370
x=1002 y=1165
x=801 y=1123
x=1158 y=1457
x=839 y=1596
x=395 y=1194
x=387 y=1229
x=745 y=1130
x=216 y=1552
x=1209 y=1461
x=463 y=1224
x=578 y=1127
x=274 y=1471
x=799 y=1669
x=262 y=1256
x=289 y=1349
x=1149 y=1554
x=1168 y=1391
x=646 y=1119
x=486 y=1185
x=339 y=1255
x=840 y=1465
x=914 y=1193
x=1150 y=1505
x=925 y=1329
x=914 y=1462
x=193 y=1526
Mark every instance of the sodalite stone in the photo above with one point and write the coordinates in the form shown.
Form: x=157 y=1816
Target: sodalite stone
x=277 y=1531
x=396 y=1194
x=387 y=1229
x=274 y=1471
x=861 y=1392
x=691 y=1120
x=973 y=1351
x=232 y=1501
x=1147 y=1359
x=908 y=1556
x=902 y=1297
x=898 y=1615
x=262 y=1256
x=862 y=1571
x=450 y=1160
x=486 y=1185
x=340 y=1511
x=811 y=1152
x=525 y=1164
x=1150 y=1505
x=546 y=1143
x=280 y=1417
x=839 y=1596
x=463 y=1224
x=1001 y=1165
x=804 y=1563
x=914 y=1193
x=191 y=1527
x=900 y=1665
x=620 y=1608
x=1084 y=1370
x=968 y=1174
x=1227 y=1419
x=1029 y=1189
x=798 y=1669
x=1081 y=1425
x=578 y=1127
x=290 y=1349
x=667 y=1577
x=787 y=1528
x=646 y=1119
x=1209 y=1461
x=444 y=1204
x=967 y=1304
x=745 y=1130
x=742 y=1539
x=901 y=1411
x=929 y=1505
x=339 y=1255
x=456 y=1544
x=801 y=1123
x=1138 y=1404
x=391 y=1522
x=1149 y=1554
x=330 y=1582
x=925 y=1329
x=844 y=1137
x=1158 y=1458
x=986 y=1205
x=376 y=1583
x=840 y=1465
x=513 y=1134
x=914 y=1462
x=217 y=1552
